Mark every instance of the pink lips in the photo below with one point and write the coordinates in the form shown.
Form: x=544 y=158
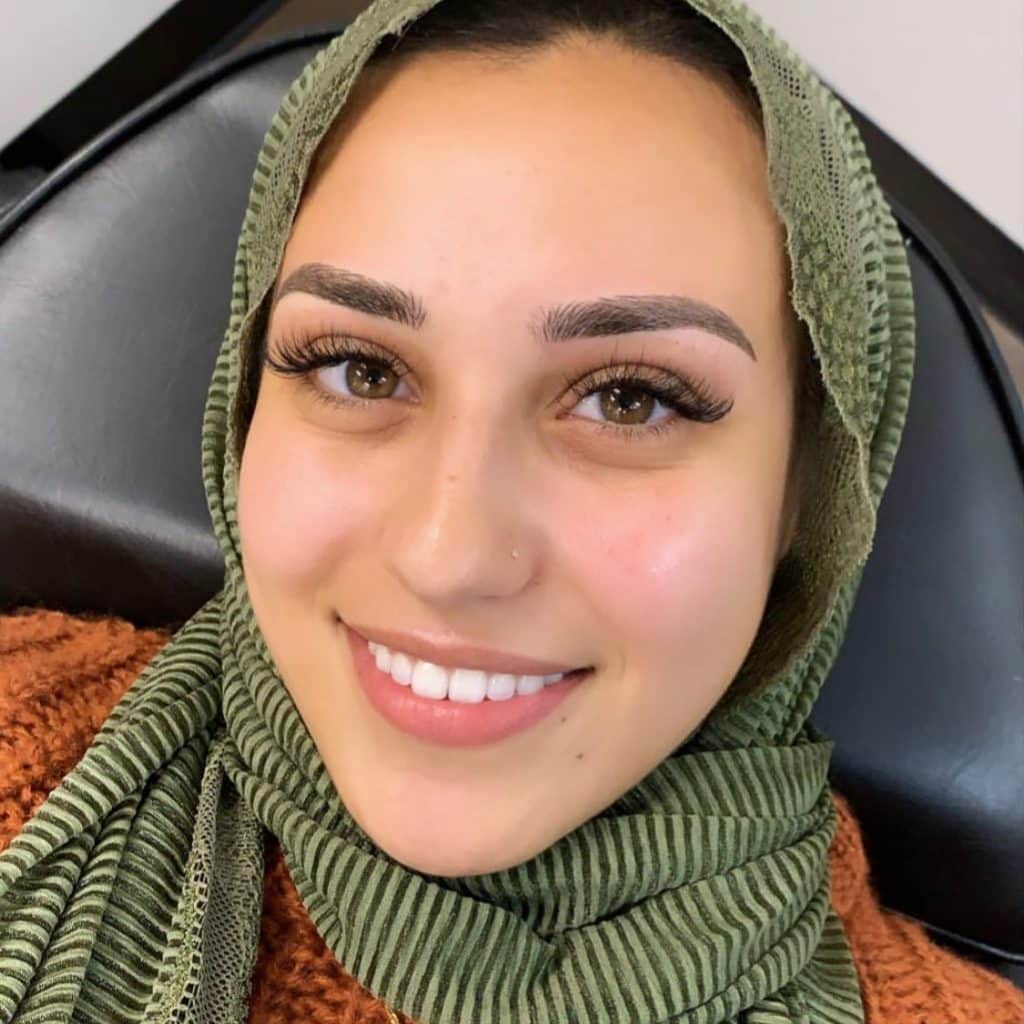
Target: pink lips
x=442 y=651
x=448 y=722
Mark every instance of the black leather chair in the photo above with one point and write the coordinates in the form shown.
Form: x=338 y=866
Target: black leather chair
x=114 y=278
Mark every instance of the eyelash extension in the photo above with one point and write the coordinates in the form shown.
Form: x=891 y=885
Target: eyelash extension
x=297 y=358
x=690 y=397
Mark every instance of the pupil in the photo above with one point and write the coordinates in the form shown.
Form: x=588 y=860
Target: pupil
x=363 y=377
x=637 y=410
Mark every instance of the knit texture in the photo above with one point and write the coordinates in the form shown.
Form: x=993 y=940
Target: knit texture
x=61 y=674
x=700 y=896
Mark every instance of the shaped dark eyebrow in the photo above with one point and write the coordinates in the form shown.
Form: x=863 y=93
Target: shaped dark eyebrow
x=621 y=314
x=624 y=314
x=347 y=288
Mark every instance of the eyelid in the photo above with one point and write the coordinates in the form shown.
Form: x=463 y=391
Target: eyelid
x=327 y=346
x=690 y=395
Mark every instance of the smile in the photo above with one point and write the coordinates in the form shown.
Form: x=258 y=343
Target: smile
x=465 y=685
x=454 y=706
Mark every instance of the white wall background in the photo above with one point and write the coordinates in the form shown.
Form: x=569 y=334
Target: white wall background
x=943 y=77
x=47 y=47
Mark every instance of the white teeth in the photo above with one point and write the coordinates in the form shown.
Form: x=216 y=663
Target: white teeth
x=464 y=685
x=383 y=658
x=501 y=687
x=529 y=684
x=429 y=680
x=467 y=685
x=401 y=668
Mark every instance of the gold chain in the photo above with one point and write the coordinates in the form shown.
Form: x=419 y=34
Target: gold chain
x=392 y=1016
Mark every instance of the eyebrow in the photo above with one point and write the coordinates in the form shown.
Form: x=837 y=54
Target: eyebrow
x=621 y=314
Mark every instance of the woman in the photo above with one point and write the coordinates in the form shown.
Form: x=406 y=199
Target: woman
x=518 y=640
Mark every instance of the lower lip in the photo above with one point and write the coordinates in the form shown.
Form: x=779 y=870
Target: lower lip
x=449 y=722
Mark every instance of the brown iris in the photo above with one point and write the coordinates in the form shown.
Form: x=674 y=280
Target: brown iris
x=369 y=380
x=635 y=403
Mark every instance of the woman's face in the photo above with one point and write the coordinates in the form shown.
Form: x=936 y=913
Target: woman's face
x=502 y=202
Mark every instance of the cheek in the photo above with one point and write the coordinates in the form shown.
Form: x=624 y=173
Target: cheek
x=680 y=573
x=297 y=517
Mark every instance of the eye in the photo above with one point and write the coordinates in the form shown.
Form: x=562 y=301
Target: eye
x=624 y=397
x=354 y=371
x=362 y=378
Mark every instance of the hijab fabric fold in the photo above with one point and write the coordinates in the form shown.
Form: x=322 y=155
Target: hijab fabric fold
x=701 y=896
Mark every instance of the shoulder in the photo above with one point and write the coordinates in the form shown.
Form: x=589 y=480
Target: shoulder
x=904 y=974
x=60 y=675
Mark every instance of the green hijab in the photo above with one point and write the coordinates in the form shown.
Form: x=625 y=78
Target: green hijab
x=700 y=896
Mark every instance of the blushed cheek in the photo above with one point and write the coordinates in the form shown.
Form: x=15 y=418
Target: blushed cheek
x=677 y=581
x=297 y=516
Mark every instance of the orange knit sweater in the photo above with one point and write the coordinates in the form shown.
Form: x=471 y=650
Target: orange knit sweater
x=60 y=675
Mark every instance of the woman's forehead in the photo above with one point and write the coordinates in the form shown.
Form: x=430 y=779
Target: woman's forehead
x=567 y=165
x=596 y=115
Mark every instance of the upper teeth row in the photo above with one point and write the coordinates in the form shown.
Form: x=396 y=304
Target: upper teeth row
x=468 y=685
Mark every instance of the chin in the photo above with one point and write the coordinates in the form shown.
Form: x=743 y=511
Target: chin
x=449 y=850
x=453 y=862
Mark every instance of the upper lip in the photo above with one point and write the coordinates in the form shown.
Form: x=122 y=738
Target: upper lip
x=459 y=655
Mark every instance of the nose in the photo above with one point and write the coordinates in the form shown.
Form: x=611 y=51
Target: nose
x=460 y=528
